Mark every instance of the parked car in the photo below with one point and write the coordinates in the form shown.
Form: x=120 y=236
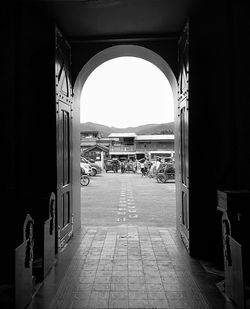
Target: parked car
x=85 y=168
x=95 y=168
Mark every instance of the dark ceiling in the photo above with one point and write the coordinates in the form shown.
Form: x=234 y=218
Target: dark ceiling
x=88 y=19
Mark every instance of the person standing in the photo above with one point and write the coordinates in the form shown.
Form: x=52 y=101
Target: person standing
x=134 y=164
x=146 y=164
x=122 y=167
x=142 y=168
x=138 y=165
x=158 y=163
x=152 y=170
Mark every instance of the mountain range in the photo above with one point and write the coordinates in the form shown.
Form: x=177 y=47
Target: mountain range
x=152 y=128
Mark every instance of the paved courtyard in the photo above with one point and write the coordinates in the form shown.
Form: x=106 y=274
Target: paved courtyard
x=112 y=199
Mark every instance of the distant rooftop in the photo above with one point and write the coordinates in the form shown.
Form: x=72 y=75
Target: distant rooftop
x=90 y=134
x=155 y=137
x=122 y=135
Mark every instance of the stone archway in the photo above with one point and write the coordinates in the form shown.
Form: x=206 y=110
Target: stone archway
x=88 y=68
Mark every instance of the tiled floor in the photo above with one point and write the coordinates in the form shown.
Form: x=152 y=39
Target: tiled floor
x=128 y=267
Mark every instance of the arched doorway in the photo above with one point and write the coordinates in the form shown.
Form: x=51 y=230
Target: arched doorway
x=92 y=64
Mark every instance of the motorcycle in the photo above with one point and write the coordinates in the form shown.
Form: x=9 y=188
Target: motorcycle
x=85 y=180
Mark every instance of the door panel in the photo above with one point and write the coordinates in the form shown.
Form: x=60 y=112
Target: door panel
x=183 y=118
x=64 y=129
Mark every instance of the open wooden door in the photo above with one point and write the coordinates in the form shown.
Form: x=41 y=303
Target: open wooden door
x=64 y=100
x=183 y=137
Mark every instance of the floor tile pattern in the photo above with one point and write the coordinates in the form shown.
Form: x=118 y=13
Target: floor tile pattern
x=130 y=267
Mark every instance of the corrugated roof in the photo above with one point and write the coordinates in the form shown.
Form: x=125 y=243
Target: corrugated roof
x=122 y=135
x=104 y=148
x=122 y=153
x=155 y=137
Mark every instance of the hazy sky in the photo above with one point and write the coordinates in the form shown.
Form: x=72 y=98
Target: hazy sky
x=127 y=91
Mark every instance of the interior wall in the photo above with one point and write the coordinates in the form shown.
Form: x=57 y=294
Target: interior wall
x=29 y=156
x=239 y=25
x=36 y=107
x=219 y=129
x=9 y=134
